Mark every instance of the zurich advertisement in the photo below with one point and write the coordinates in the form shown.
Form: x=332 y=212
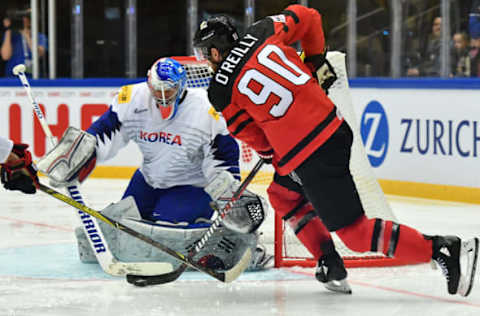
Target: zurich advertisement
x=421 y=135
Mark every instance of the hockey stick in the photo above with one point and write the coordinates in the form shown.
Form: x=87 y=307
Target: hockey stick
x=225 y=276
x=140 y=280
x=95 y=236
x=145 y=280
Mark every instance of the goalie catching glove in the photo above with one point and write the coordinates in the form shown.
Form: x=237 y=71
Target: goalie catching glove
x=246 y=214
x=19 y=173
x=73 y=158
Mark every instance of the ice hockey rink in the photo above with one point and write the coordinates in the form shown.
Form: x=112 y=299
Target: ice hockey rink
x=40 y=273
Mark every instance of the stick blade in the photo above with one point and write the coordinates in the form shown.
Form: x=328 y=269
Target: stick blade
x=225 y=276
x=147 y=280
x=242 y=265
x=144 y=268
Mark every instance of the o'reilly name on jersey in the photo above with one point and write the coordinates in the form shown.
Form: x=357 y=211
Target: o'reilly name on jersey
x=238 y=52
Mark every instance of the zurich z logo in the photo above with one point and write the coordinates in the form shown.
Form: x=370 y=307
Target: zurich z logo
x=374 y=131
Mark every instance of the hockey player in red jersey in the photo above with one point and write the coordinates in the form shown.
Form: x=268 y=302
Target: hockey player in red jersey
x=286 y=196
x=272 y=102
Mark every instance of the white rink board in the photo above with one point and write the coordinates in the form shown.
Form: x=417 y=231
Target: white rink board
x=433 y=135
x=453 y=140
x=79 y=102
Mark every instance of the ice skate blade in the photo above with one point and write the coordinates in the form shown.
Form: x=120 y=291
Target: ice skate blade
x=469 y=251
x=341 y=286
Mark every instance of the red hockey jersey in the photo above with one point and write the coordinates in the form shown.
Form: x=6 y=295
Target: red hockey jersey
x=267 y=94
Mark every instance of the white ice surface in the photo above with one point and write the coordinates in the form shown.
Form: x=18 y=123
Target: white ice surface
x=40 y=273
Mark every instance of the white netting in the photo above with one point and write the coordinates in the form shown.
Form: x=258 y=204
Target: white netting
x=371 y=194
x=198 y=75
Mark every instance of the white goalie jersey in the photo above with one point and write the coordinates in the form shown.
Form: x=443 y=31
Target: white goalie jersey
x=187 y=150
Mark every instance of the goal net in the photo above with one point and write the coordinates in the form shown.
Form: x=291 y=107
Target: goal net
x=276 y=234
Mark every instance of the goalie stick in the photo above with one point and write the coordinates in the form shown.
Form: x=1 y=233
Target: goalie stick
x=143 y=280
x=96 y=239
x=224 y=276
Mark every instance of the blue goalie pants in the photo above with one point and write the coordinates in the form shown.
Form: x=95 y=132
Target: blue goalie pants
x=183 y=204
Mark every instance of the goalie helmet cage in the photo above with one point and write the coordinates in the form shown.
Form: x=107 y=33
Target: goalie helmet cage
x=288 y=251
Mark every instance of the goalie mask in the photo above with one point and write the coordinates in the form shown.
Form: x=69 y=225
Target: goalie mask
x=167 y=82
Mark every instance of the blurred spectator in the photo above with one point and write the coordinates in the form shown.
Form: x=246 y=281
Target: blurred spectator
x=474 y=28
x=373 y=38
x=461 y=66
x=17 y=41
x=475 y=57
x=474 y=18
x=429 y=60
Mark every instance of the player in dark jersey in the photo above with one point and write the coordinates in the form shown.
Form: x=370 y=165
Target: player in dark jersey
x=272 y=102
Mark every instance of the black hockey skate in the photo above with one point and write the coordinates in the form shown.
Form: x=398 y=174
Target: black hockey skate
x=331 y=271
x=458 y=261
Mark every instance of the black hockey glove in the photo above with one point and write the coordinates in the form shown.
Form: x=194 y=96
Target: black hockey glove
x=19 y=173
x=267 y=156
x=322 y=70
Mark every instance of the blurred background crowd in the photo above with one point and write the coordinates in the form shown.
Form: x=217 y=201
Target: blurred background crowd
x=121 y=38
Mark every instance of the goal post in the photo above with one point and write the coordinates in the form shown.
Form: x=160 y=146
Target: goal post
x=276 y=234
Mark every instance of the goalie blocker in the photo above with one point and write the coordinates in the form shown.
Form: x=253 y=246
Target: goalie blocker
x=247 y=213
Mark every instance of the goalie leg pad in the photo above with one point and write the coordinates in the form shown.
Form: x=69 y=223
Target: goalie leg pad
x=117 y=211
x=223 y=250
x=73 y=158
x=85 y=251
x=261 y=259
x=122 y=209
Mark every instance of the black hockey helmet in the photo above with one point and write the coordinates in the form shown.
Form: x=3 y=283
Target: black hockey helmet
x=218 y=32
